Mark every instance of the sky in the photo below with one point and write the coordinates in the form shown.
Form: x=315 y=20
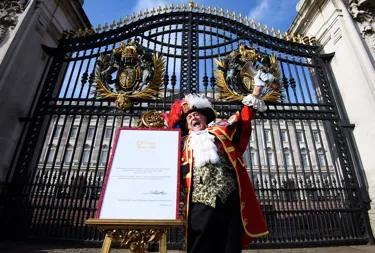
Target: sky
x=278 y=14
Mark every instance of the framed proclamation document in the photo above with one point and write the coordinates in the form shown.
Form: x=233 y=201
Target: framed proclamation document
x=142 y=179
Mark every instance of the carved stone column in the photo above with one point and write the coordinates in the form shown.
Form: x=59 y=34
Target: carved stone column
x=9 y=12
x=363 y=12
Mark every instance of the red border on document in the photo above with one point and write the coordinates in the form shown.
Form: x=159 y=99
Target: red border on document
x=112 y=156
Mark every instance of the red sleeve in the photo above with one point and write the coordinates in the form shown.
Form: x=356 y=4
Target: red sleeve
x=240 y=127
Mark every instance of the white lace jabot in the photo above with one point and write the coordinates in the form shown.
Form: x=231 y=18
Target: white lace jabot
x=204 y=148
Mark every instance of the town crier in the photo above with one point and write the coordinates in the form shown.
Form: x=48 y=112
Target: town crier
x=223 y=213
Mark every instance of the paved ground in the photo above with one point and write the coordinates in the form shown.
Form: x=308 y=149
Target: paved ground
x=61 y=248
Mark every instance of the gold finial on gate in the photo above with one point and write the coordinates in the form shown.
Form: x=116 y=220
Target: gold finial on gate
x=105 y=27
x=234 y=16
x=171 y=7
x=82 y=32
x=126 y=20
x=247 y=21
x=132 y=18
x=165 y=9
x=306 y=39
x=313 y=40
x=240 y=18
x=112 y=25
x=119 y=23
x=153 y=11
x=293 y=38
x=72 y=34
x=209 y=9
x=215 y=10
x=98 y=29
x=178 y=7
x=203 y=9
x=273 y=32
x=88 y=31
x=286 y=36
x=221 y=12
x=253 y=23
x=280 y=34
x=184 y=7
x=146 y=13
x=140 y=15
x=196 y=8
x=299 y=37
x=227 y=13
x=191 y=5
x=159 y=9
x=92 y=30
x=267 y=30
x=260 y=27
x=79 y=32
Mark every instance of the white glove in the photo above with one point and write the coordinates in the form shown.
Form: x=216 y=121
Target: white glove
x=258 y=81
x=261 y=78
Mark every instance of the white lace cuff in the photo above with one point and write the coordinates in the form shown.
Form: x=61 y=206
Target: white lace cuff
x=256 y=103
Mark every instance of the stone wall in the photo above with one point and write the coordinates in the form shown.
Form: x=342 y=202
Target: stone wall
x=30 y=24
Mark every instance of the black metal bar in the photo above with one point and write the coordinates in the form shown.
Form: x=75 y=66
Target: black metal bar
x=174 y=77
x=281 y=200
x=212 y=78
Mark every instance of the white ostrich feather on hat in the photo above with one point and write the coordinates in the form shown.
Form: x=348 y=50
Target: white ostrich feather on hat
x=198 y=101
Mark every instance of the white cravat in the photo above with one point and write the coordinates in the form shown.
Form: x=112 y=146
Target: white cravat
x=204 y=148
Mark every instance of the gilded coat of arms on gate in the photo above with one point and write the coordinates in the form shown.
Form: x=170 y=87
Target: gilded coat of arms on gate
x=235 y=74
x=138 y=74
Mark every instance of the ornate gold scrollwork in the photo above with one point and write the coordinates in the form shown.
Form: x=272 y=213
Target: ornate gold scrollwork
x=135 y=239
x=152 y=119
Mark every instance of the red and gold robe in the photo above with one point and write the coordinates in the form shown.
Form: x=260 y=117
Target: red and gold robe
x=234 y=137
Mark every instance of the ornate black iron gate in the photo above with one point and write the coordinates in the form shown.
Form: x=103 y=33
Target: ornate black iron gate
x=299 y=156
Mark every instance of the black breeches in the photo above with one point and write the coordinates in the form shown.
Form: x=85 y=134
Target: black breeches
x=215 y=230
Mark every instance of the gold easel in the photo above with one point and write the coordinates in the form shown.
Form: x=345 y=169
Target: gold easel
x=134 y=234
